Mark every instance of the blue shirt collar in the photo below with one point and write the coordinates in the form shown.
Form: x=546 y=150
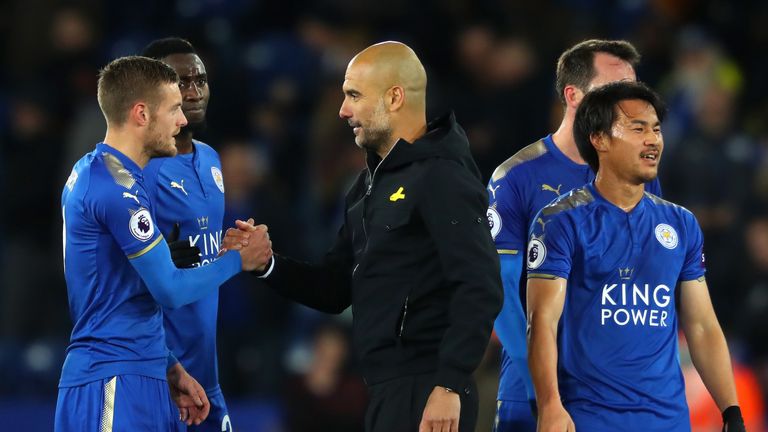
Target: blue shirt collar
x=125 y=160
x=559 y=155
x=599 y=198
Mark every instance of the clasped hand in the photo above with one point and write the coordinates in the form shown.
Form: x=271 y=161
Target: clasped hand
x=253 y=243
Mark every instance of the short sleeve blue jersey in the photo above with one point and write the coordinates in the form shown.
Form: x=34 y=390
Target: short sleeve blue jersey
x=618 y=363
x=188 y=190
x=519 y=188
x=108 y=219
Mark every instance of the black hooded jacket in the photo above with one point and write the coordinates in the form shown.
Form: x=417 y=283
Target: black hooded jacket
x=414 y=258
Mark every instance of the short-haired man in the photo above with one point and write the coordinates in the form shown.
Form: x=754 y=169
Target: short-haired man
x=119 y=271
x=414 y=257
x=525 y=183
x=610 y=267
x=188 y=194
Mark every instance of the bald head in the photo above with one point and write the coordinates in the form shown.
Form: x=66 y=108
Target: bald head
x=392 y=64
x=385 y=96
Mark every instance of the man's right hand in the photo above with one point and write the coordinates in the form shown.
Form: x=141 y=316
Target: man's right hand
x=252 y=242
x=554 y=418
x=188 y=395
x=442 y=411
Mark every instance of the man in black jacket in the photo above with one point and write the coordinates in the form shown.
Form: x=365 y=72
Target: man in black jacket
x=414 y=258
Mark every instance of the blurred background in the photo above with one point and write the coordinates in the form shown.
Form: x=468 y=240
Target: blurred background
x=275 y=71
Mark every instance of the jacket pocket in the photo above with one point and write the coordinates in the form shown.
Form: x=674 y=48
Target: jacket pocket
x=391 y=220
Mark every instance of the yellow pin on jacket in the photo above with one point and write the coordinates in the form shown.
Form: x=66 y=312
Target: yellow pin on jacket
x=419 y=267
x=397 y=195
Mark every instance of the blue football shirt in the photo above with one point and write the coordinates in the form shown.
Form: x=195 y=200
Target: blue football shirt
x=519 y=188
x=188 y=190
x=618 y=365
x=107 y=221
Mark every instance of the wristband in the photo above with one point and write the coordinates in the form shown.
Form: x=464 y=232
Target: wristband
x=732 y=419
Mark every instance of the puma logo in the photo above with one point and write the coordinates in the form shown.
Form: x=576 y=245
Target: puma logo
x=132 y=196
x=546 y=187
x=543 y=224
x=493 y=190
x=397 y=195
x=179 y=186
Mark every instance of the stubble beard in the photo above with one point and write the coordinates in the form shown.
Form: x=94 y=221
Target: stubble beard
x=156 y=147
x=378 y=134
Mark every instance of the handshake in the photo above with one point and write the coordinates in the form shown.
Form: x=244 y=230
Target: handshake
x=252 y=242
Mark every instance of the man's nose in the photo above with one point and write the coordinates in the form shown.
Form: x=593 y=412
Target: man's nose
x=344 y=112
x=652 y=138
x=192 y=92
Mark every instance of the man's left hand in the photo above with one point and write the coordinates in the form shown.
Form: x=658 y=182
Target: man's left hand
x=188 y=395
x=442 y=412
x=183 y=254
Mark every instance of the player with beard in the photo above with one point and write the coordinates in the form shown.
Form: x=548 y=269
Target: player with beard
x=414 y=257
x=119 y=271
x=188 y=193
x=611 y=268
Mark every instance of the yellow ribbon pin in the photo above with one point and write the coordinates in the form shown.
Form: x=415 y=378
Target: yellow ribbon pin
x=397 y=195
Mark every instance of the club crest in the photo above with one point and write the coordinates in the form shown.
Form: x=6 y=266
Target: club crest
x=218 y=178
x=666 y=235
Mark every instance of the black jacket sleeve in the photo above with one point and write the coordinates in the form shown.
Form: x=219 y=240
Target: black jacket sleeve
x=326 y=287
x=454 y=210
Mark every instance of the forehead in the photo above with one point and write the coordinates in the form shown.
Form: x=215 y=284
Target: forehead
x=636 y=110
x=609 y=68
x=186 y=65
x=358 y=76
x=170 y=94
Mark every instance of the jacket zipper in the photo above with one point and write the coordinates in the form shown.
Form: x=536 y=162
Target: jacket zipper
x=402 y=320
x=365 y=200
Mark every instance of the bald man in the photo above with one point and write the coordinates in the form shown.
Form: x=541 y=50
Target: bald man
x=414 y=257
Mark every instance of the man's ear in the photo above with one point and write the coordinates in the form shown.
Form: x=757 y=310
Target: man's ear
x=139 y=114
x=600 y=141
x=395 y=98
x=573 y=96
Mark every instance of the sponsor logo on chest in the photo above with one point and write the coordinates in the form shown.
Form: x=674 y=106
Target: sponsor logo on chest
x=634 y=303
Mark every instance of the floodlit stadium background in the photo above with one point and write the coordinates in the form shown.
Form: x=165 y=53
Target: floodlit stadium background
x=275 y=75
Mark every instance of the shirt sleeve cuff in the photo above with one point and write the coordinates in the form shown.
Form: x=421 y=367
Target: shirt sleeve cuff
x=269 y=270
x=453 y=378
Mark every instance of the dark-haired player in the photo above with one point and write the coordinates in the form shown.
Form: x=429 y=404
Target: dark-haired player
x=611 y=270
x=188 y=192
x=525 y=183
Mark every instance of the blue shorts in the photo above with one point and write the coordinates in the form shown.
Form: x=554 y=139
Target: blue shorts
x=217 y=420
x=120 y=403
x=513 y=416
